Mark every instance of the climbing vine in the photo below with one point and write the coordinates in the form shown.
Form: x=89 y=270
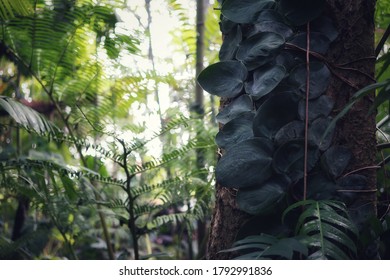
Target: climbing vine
x=278 y=126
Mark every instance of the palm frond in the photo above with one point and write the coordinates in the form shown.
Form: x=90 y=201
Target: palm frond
x=264 y=246
x=27 y=117
x=325 y=228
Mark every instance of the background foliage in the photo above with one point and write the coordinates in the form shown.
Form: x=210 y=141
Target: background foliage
x=98 y=140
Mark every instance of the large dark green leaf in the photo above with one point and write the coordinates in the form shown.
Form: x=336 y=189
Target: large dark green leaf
x=299 y=12
x=246 y=164
x=259 y=49
x=244 y=11
x=238 y=106
x=325 y=26
x=317 y=130
x=319 y=79
x=271 y=26
x=335 y=160
x=319 y=43
x=276 y=112
x=225 y=79
x=320 y=107
x=289 y=159
x=263 y=198
x=230 y=44
x=291 y=131
x=235 y=131
x=265 y=79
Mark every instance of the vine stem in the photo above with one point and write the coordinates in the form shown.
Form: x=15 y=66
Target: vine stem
x=306 y=112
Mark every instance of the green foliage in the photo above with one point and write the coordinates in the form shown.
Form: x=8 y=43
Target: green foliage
x=322 y=231
x=285 y=152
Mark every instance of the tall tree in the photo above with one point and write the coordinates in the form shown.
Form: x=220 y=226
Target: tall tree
x=351 y=60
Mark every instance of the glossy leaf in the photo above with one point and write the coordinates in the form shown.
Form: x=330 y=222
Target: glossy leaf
x=276 y=112
x=291 y=131
x=319 y=43
x=259 y=49
x=238 y=106
x=271 y=26
x=325 y=26
x=289 y=159
x=244 y=11
x=317 y=130
x=320 y=107
x=300 y=12
x=230 y=44
x=266 y=246
x=335 y=160
x=319 y=79
x=265 y=79
x=246 y=164
x=235 y=131
x=263 y=198
x=225 y=79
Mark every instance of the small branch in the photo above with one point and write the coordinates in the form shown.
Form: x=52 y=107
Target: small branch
x=361 y=169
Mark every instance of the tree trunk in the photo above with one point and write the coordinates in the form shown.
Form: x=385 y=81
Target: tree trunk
x=354 y=49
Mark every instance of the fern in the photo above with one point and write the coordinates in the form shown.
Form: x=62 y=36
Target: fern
x=11 y=8
x=325 y=228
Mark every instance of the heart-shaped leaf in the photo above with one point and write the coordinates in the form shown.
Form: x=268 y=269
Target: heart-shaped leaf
x=264 y=198
x=319 y=79
x=291 y=131
x=289 y=159
x=335 y=160
x=238 y=106
x=225 y=79
x=316 y=133
x=226 y=25
x=320 y=107
x=300 y=12
x=235 y=131
x=319 y=43
x=230 y=44
x=259 y=49
x=246 y=164
x=325 y=26
x=277 y=111
x=268 y=15
x=265 y=79
x=244 y=11
x=271 y=26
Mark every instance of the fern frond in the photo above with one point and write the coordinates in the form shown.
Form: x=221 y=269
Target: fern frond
x=11 y=8
x=167 y=157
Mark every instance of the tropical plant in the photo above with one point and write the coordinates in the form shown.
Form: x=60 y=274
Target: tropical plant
x=279 y=127
x=85 y=165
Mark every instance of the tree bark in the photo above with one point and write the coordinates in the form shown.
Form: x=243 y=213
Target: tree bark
x=355 y=49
